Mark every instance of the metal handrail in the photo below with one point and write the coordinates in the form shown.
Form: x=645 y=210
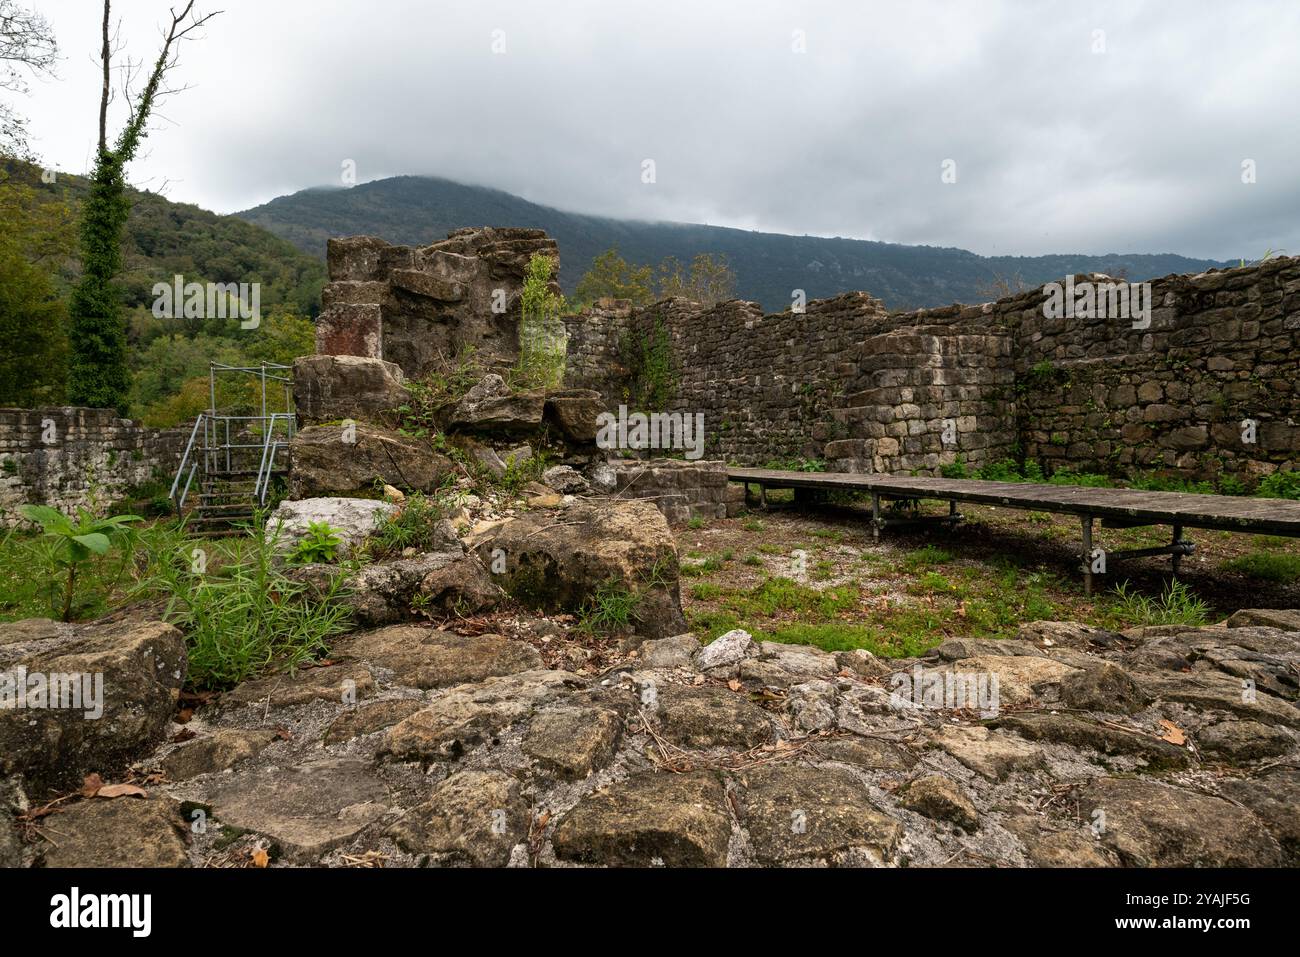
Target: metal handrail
x=270 y=448
x=189 y=447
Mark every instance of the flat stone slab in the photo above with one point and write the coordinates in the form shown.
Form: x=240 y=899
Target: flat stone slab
x=1154 y=825
x=427 y=658
x=797 y=812
x=216 y=752
x=1085 y=733
x=1240 y=741
x=711 y=717
x=986 y=752
x=1274 y=798
x=1284 y=619
x=572 y=742
x=370 y=718
x=118 y=832
x=337 y=683
x=671 y=820
x=874 y=754
x=308 y=809
x=473 y=817
x=469 y=715
x=1214 y=690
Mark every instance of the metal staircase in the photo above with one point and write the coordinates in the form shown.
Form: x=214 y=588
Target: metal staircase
x=231 y=460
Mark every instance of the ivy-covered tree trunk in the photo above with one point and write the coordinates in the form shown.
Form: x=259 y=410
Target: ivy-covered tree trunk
x=97 y=371
x=97 y=374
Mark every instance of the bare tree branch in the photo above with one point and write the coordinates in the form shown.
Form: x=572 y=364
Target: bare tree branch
x=106 y=59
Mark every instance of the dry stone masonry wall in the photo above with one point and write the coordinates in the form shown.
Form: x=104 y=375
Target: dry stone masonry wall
x=1206 y=387
x=69 y=457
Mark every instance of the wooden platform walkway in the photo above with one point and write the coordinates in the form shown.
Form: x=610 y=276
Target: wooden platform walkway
x=895 y=500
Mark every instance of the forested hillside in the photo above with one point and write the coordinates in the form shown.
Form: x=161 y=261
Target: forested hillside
x=768 y=266
x=168 y=357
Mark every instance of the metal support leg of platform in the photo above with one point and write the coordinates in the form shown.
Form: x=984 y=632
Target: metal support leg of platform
x=1086 y=521
x=875 y=516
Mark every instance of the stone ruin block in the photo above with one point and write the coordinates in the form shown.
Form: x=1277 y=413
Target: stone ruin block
x=331 y=388
x=351 y=330
x=423 y=307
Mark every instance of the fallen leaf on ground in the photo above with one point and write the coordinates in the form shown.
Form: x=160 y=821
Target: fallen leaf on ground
x=91 y=785
x=121 y=790
x=1173 y=734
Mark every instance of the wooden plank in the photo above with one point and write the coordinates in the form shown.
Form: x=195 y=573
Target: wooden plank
x=1222 y=512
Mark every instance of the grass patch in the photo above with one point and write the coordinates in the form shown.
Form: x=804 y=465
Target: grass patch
x=1266 y=566
x=839 y=636
x=612 y=608
x=1176 y=605
x=929 y=555
x=245 y=617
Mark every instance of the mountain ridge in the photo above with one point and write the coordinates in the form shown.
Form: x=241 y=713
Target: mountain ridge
x=417 y=210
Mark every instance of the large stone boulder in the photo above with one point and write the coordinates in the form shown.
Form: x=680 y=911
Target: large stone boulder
x=349 y=459
x=121 y=832
x=332 y=388
x=353 y=519
x=558 y=562
x=490 y=407
x=88 y=698
x=669 y=820
x=1154 y=825
x=446 y=581
x=428 y=658
x=574 y=412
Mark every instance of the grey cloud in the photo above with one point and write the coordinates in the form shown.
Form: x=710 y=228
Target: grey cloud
x=1058 y=148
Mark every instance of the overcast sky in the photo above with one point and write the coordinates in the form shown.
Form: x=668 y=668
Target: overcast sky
x=1064 y=138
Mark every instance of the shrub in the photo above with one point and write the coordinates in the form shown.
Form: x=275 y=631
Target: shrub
x=543 y=339
x=414 y=525
x=1280 y=485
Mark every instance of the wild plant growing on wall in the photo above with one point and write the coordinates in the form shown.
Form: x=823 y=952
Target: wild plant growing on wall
x=543 y=340
x=649 y=360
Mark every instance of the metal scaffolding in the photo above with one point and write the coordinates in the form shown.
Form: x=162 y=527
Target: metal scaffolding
x=232 y=449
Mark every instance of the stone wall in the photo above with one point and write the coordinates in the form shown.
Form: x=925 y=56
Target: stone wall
x=869 y=390
x=681 y=490
x=1222 y=348
x=66 y=456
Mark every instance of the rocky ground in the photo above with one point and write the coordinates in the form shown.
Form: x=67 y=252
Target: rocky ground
x=512 y=739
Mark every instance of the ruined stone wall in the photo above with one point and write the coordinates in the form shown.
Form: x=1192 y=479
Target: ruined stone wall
x=66 y=456
x=868 y=390
x=926 y=394
x=766 y=384
x=421 y=308
x=1222 y=347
